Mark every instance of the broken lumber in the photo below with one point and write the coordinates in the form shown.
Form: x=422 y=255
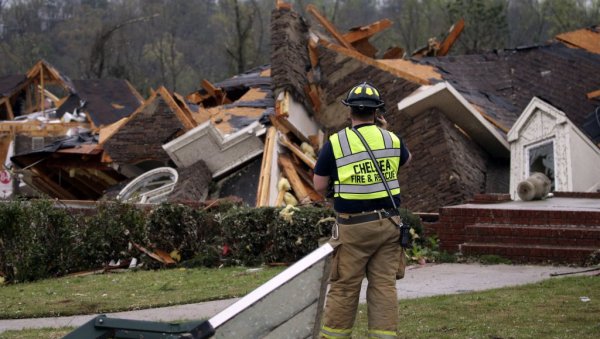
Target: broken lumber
x=264 y=181
x=284 y=126
x=359 y=36
x=328 y=26
x=313 y=54
x=290 y=172
x=367 y=31
x=215 y=92
x=308 y=184
x=593 y=94
x=453 y=35
x=159 y=255
x=297 y=151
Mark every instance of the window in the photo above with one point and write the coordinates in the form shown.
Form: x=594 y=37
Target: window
x=541 y=159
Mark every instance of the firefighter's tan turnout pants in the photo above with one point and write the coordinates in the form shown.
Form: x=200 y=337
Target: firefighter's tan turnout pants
x=370 y=249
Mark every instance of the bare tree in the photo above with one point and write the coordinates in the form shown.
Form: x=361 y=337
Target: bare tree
x=99 y=51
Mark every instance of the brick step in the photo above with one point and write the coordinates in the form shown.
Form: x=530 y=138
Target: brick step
x=457 y=215
x=530 y=253
x=534 y=234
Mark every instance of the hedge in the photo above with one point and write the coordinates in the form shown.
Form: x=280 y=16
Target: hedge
x=41 y=240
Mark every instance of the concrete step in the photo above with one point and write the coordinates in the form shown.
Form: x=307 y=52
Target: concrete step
x=586 y=236
x=530 y=253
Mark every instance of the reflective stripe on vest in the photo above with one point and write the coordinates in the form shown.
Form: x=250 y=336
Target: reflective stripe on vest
x=357 y=176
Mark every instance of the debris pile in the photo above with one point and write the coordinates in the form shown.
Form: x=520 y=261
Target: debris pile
x=257 y=134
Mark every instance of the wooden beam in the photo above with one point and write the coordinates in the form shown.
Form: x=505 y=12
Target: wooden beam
x=328 y=26
x=184 y=116
x=451 y=38
x=297 y=151
x=282 y=109
x=42 y=89
x=312 y=193
x=313 y=55
x=593 y=94
x=284 y=126
x=279 y=120
x=72 y=163
x=215 y=92
x=290 y=172
x=365 y=32
x=29 y=99
x=11 y=115
x=264 y=181
x=84 y=187
x=50 y=186
x=375 y=63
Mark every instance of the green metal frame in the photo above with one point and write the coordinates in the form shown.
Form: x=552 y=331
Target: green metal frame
x=102 y=327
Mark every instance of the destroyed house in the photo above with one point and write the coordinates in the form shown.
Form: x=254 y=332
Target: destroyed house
x=43 y=107
x=105 y=101
x=209 y=135
x=454 y=112
x=69 y=169
x=228 y=139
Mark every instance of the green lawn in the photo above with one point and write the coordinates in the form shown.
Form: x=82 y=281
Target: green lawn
x=549 y=309
x=127 y=291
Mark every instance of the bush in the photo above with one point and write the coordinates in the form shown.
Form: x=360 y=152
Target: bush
x=193 y=233
x=39 y=240
x=106 y=235
x=35 y=240
x=272 y=235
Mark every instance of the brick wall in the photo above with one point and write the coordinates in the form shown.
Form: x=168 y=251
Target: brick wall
x=142 y=137
x=447 y=167
x=451 y=228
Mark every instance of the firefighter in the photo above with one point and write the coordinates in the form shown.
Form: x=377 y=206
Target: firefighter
x=366 y=233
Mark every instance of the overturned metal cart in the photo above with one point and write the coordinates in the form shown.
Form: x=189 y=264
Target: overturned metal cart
x=287 y=306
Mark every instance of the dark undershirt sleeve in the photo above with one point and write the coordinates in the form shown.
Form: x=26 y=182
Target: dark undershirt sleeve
x=403 y=153
x=325 y=162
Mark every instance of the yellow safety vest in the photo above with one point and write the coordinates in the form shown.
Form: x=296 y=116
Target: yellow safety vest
x=357 y=176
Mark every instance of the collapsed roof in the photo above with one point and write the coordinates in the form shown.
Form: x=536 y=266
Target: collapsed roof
x=104 y=101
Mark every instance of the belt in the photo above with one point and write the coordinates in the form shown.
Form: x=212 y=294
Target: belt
x=366 y=217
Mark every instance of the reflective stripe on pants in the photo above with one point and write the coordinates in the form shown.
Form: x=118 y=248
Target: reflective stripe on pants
x=382 y=334
x=328 y=332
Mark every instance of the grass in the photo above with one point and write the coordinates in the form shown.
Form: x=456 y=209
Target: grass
x=549 y=309
x=127 y=291
x=47 y=333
